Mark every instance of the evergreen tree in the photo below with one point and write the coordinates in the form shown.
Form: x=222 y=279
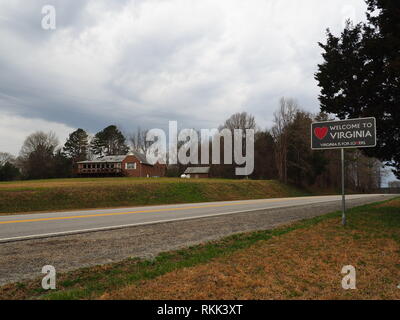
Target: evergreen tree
x=264 y=157
x=303 y=164
x=108 y=142
x=8 y=171
x=360 y=75
x=77 y=146
x=62 y=165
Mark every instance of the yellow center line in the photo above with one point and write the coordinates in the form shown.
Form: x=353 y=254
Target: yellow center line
x=148 y=211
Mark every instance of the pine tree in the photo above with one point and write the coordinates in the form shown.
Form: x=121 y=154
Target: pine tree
x=108 y=142
x=360 y=76
x=77 y=146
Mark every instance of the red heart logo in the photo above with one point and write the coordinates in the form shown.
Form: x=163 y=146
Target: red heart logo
x=321 y=133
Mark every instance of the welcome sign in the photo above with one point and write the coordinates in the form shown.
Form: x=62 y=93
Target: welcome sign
x=352 y=133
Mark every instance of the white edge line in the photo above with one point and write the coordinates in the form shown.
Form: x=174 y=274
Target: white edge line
x=45 y=235
x=64 y=233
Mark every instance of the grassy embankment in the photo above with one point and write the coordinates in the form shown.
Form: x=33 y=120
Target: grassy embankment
x=69 y=194
x=298 y=261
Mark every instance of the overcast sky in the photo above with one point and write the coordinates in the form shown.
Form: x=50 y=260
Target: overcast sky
x=142 y=63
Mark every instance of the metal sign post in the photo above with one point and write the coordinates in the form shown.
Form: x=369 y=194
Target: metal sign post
x=343 y=191
x=351 y=133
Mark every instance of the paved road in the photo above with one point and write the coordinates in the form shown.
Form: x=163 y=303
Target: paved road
x=41 y=225
x=25 y=259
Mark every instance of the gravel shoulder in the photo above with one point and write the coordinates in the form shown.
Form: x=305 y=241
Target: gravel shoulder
x=25 y=259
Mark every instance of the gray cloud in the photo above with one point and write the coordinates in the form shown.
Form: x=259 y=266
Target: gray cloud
x=142 y=63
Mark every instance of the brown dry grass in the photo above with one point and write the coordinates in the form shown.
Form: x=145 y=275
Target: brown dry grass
x=89 y=182
x=392 y=203
x=82 y=182
x=303 y=264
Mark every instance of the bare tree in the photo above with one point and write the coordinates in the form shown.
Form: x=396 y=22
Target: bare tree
x=394 y=184
x=138 y=141
x=37 y=154
x=6 y=157
x=39 y=141
x=243 y=121
x=363 y=173
x=240 y=121
x=283 y=117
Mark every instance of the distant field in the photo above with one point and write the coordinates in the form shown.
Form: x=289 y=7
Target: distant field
x=29 y=184
x=84 y=193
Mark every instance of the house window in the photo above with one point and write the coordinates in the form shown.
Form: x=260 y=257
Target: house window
x=130 y=166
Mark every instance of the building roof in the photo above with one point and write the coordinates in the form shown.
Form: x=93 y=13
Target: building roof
x=119 y=158
x=197 y=170
x=106 y=159
x=141 y=157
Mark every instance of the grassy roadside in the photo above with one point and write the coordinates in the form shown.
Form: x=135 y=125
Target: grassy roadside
x=298 y=261
x=70 y=194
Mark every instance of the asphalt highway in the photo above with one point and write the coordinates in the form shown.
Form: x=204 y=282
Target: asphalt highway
x=42 y=225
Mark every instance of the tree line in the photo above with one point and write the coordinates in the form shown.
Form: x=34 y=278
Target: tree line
x=41 y=157
x=282 y=152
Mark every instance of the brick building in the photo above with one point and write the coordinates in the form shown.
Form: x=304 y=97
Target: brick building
x=134 y=164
